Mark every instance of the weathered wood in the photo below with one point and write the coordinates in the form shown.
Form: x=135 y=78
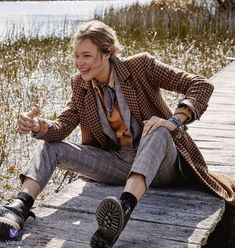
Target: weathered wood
x=68 y=218
x=215 y=133
x=152 y=206
x=175 y=217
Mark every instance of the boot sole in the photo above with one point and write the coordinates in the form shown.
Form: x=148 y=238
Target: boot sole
x=8 y=228
x=110 y=219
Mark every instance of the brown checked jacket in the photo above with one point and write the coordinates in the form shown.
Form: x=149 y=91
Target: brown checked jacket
x=141 y=78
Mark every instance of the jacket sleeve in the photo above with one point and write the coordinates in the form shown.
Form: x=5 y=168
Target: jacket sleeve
x=64 y=124
x=196 y=89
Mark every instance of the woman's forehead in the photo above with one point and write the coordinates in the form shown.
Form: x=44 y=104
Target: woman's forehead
x=85 y=44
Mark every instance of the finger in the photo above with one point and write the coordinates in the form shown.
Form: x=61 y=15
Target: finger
x=36 y=121
x=24 y=130
x=145 y=126
x=24 y=117
x=146 y=129
x=27 y=123
x=154 y=127
x=33 y=112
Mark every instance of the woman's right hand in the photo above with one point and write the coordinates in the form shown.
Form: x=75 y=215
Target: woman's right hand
x=28 y=121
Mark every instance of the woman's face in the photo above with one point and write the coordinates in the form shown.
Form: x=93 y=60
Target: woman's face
x=90 y=61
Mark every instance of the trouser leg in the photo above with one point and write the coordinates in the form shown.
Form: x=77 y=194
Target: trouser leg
x=156 y=158
x=97 y=164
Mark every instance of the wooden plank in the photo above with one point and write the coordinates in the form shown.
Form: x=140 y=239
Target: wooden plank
x=215 y=133
x=151 y=206
x=228 y=170
x=102 y=190
x=75 y=225
x=68 y=218
x=151 y=211
x=74 y=229
x=197 y=126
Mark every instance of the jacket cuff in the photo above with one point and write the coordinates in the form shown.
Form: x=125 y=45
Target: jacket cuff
x=44 y=126
x=184 y=106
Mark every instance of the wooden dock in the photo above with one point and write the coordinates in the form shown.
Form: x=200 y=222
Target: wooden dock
x=165 y=217
x=215 y=132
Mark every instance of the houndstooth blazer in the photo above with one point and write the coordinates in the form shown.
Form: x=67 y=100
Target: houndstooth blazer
x=141 y=78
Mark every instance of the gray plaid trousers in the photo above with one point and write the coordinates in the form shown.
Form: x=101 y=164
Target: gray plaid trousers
x=154 y=157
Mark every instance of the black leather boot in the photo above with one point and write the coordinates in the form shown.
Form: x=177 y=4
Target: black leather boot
x=112 y=216
x=12 y=218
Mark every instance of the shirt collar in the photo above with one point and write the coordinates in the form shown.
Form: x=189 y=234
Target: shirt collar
x=111 y=84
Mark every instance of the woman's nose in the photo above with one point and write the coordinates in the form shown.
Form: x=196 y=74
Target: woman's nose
x=79 y=62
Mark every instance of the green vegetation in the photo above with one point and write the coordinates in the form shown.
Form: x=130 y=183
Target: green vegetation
x=36 y=71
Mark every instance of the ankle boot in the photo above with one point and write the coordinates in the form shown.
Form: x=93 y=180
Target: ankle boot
x=12 y=218
x=112 y=216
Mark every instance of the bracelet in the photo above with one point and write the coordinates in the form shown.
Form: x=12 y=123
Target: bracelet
x=177 y=122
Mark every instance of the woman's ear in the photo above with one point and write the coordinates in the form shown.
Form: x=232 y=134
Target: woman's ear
x=107 y=56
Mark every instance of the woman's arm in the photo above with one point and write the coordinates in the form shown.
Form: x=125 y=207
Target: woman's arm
x=64 y=124
x=59 y=129
x=196 y=89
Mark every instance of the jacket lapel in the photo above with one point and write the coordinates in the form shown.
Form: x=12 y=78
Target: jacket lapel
x=125 y=111
x=127 y=89
x=91 y=111
x=104 y=122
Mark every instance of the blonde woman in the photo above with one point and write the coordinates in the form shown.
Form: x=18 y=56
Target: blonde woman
x=129 y=135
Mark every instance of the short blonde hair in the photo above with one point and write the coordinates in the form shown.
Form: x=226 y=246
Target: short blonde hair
x=103 y=36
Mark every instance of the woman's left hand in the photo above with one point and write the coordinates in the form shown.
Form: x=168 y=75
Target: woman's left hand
x=155 y=122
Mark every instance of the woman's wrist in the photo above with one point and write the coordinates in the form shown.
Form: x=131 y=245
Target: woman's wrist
x=178 y=120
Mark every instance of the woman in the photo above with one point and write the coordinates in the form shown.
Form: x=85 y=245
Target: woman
x=124 y=121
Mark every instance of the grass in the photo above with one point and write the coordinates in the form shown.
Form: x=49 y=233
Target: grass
x=36 y=71
x=182 y=33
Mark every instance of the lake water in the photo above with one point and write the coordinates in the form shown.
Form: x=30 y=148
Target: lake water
x=51 y=17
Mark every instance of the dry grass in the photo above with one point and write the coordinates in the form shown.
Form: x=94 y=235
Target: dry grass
x=36 y=71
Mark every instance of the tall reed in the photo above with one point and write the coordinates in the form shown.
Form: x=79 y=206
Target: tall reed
x=36 y=71
x=193 y=20
x=193 y=35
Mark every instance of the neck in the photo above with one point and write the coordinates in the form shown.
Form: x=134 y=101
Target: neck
x=104 y=78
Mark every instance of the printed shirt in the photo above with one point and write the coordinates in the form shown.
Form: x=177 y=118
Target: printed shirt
x=115 y=120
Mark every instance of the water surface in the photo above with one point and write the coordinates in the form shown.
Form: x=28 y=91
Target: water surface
x=51 y=17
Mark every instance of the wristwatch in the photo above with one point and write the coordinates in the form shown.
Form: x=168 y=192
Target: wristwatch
x=177 y=122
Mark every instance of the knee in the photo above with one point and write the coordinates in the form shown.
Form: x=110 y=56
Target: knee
x=43 y=145
x=48 y=151
x=160 y=136
x=161 y=131
x=46 y=146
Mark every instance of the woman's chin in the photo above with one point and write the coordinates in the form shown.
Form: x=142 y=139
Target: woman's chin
x=86 y=77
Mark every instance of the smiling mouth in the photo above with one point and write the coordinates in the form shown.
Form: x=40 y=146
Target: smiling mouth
x=84 y=71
